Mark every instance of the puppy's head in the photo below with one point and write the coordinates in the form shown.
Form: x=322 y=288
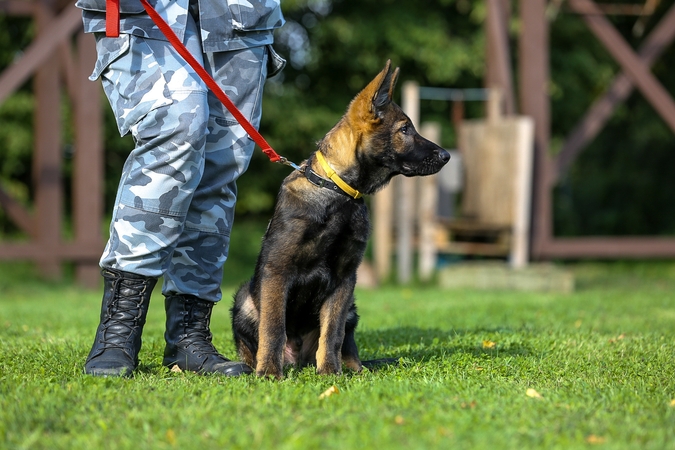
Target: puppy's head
x=386 y=134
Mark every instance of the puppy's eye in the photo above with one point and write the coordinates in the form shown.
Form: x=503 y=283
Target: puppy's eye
x=404 y=129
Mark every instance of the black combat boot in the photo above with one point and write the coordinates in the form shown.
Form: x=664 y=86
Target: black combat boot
x=126 y=297
x=188 y=338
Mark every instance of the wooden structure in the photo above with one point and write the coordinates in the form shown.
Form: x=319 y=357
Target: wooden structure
x=534 y=102
x=495 y=216
x=59 y=60
x=530 y=98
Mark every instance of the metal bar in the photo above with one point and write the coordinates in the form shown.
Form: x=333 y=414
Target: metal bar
x=598 y=114
x=43 y=47
x=636 y=70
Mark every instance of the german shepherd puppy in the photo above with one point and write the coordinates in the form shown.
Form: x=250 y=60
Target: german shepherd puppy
x=299 y=306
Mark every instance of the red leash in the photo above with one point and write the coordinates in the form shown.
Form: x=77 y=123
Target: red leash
x=112 y=30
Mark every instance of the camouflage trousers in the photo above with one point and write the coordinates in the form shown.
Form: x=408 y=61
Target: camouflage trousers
x=176 y=197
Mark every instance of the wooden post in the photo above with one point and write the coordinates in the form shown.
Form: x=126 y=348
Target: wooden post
x=522 y=199
x=428 y=205
x=498 y=61
x=88 y=163
x=47 y=161
x=534 y=102
x=383 y=219
x=405 y=219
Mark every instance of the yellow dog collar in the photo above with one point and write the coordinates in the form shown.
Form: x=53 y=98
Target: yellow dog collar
x=335 y=178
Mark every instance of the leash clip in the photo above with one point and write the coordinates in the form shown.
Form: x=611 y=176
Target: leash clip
x=286 y=162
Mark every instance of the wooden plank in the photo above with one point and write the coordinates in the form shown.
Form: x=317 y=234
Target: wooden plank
x=42 y=48
x=534 y=101
x=428 y=205
x=611 y=247
x=601 y=110
x=535 y=278
x=636 y=70
x=78 y=252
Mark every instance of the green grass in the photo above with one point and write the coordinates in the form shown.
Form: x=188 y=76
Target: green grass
x=602 y=359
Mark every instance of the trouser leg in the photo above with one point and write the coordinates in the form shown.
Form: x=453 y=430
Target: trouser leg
x=197 y=262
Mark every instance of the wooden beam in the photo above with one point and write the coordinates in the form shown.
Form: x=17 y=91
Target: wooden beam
x=498 y=70
x=534 y=102
x=79 y=252
x=88 y=161
x=636 y=70
x=598 y=114
x=611 y=247
x=17 y=7
x=42 y=48
x=47 y=156
x=17 y=213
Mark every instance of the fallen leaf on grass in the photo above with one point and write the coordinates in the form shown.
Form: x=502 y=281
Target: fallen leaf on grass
x=593 y=439
x=171 y=436
x=618 y=338
x=489 y=344
x=328 y=392
x=533 y=393
x=176 y=369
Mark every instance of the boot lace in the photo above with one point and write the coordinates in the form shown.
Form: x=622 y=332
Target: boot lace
x=123 y=315
x=198 y=335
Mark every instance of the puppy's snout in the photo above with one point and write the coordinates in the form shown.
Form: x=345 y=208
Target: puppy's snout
x=444 y=156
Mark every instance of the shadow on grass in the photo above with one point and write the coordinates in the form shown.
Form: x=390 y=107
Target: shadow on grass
x=383 y=348
x=421 y=344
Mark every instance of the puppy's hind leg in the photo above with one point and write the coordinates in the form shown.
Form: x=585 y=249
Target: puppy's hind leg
x=245 y=321
x=350 y=352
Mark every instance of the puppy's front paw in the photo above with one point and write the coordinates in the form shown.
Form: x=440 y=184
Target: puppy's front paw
x=329 y=369
x=270 y=371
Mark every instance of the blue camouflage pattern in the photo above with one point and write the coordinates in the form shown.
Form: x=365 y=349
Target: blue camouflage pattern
x=175 y=201
x=224 y=25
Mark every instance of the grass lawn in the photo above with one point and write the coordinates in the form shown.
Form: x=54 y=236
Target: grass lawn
x=478 y=369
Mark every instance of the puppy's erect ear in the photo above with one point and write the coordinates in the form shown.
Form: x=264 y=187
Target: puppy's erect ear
x=384 y=82
x=370 y=102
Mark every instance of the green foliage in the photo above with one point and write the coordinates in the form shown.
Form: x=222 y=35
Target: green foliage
x=621 y=184
x=601 y=359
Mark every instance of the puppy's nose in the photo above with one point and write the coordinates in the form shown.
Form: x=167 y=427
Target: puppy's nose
x=444 y=155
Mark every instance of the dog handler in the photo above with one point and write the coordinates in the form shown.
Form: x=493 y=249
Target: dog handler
x=175 y=202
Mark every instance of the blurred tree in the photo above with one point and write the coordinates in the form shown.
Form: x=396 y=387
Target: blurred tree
x=622 y=184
